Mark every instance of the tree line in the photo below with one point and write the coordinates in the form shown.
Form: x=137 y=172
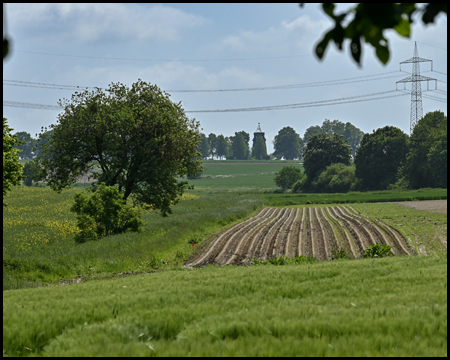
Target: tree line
x=288 y=144
x=387 y=158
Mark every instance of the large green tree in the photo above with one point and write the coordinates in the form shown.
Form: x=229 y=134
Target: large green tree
x=26 y=148
x=136 y=137
x=203 y=146
x=354 y=136
x=322 y=150
x=239 y=147
x=349 y=132
x=368 y=21
x=222 y=146
x=12 y=169
x=380 y=156
x=212 y=138
x=428 y=153
x=312 y=130
x=42 y=139
x=259 y=150
x=287 y=144
x=288 y=176
x=333 y=127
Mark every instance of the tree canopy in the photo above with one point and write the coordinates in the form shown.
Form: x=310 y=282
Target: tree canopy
x=287 y=176
x=239 y=147
x=348 y=131
x=203 y=146
x=287 y=144
x=322 y=150
x=259 y=151
x=222 y=146
x=12 y=169
x=426 y=165
x=26 y=148
x=379 y=157
x=135 y=138
x=368 y=21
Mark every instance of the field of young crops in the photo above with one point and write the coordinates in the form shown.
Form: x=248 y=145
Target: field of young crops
x=393 y=306
x=320 y=231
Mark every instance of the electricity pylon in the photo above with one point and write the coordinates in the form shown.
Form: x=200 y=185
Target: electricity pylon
x=416 y=90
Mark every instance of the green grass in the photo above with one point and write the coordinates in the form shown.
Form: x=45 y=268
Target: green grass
x=354 y=197
x=426 y=231
x=223 y=176
x=37 y=212
x=374 y=307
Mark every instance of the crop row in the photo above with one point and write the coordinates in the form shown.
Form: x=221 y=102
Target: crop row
x=313 y=232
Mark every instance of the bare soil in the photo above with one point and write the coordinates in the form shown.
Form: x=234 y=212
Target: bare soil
x=435 y=206
x=312 y=232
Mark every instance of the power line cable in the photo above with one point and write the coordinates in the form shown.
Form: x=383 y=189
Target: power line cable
x=439 y=72
x=262 y=108
x=428 y=96
x=435 y=98
x=164 y=60
x=293 y=86
x=305 y=104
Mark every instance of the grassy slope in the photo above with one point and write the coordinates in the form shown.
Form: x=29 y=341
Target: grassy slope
x=374 y=307
x=57 y=257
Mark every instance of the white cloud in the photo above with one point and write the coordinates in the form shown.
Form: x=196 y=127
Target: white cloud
x=299 y=34
x=92 y=22
x=169 y=76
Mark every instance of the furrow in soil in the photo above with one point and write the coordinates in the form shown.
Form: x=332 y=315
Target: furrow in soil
x=229 y=249
x=318 y=237
x=361 y=225
x=301 y=231
x=242 y=248
x=346 y=241
x=307 y=244
x=216 y=245
x=290 y=242
x=398 y=243
x=331 y=241
x=269 y=240
x=257 y=240
x=367 y=226
x=358 y=239
x=279 y=248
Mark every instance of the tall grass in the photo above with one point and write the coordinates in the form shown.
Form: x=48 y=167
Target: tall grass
x=376 y=307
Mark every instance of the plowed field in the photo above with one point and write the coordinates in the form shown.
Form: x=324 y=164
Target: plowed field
x=313 y=232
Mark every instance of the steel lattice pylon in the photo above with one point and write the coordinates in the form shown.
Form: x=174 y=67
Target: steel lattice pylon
x=416 y=89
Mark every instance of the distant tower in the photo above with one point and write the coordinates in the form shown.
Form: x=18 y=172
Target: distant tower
x=258 y=133
x=416 y=90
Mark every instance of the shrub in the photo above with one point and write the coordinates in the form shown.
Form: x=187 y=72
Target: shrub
x=336 y=178
x=338 y=254
x=103 y=213
x=377 y=250
x=287 y=176
x=300 y=185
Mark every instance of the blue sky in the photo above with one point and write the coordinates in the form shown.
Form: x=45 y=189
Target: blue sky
x=213 y=47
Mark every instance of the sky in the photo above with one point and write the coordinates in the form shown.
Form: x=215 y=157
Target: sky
x=215 y=47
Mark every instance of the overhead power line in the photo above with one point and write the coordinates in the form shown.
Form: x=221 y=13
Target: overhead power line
x=166 y=60
x=278 y=87
x=261 y=108
x=305 y=104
